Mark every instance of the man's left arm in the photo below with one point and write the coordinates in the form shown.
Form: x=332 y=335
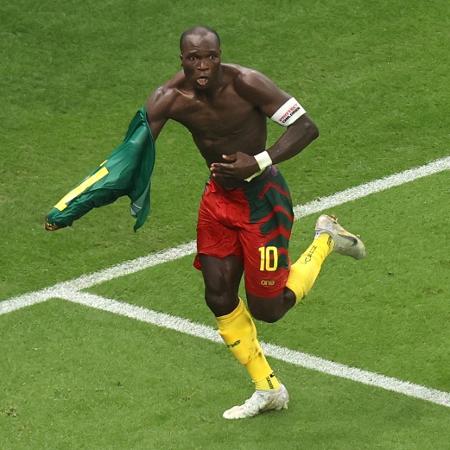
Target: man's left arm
x=283 y=109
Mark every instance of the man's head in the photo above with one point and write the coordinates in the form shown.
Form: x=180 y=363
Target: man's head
x=200 y=56
x=199 y=31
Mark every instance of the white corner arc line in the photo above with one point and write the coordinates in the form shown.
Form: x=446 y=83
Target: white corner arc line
x=281 y=353
x=171 y=254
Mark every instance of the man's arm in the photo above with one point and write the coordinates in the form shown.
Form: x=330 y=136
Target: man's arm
x=158 y=108
x=269 y=98
x=264 y=93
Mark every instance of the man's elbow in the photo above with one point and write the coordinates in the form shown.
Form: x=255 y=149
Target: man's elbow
x=306 y=129
x=311 y=130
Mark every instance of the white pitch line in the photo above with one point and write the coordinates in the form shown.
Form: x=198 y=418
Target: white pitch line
x=171 y=254
x=132 y=266
x=361 y=376
x=284 y=354
x=372 y=187
x=24 y=300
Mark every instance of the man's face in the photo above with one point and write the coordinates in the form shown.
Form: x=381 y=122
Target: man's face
x=200 y=58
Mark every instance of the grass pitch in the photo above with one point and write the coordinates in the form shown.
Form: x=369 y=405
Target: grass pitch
x=374 y=78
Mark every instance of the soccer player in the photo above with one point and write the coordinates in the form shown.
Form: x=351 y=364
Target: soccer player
x=245 y=215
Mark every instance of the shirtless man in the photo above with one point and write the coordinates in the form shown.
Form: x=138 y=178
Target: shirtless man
x=246 y=215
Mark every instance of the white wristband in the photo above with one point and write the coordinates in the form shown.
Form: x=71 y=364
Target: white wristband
x=264 y=160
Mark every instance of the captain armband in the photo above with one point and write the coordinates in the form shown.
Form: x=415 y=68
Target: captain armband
x=264 y=160
x=288 y=112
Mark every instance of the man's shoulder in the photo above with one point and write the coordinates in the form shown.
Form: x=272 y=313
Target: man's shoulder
x=161 y=101
x=170 y=88
x=253 y=85
x=243 y=76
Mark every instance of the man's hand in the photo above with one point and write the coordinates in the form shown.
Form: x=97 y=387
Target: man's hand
x=238 y=165
x=51 y=226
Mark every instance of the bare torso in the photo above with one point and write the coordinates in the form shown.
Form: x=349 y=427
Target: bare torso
x=225 y=108
x=220 y=123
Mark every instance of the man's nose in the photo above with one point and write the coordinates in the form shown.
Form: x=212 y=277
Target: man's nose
x=203 y=64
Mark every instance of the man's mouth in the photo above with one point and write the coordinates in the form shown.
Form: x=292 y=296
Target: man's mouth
x=202 y=81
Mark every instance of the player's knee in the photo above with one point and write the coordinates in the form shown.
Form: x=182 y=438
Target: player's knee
x=221 y=303
x=266 y=312
x=271 y=310
x=267 y=316
x=290 y=298
x=214 y=300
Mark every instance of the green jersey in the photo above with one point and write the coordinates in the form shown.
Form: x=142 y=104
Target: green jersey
x=127 y=171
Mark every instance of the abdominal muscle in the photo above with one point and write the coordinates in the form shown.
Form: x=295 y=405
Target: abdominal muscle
x=212 y=150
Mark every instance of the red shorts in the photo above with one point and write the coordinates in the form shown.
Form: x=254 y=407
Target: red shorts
x=253 y=223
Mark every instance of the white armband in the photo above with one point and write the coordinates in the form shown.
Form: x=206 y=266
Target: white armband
x=264 y=160
x=288 y=113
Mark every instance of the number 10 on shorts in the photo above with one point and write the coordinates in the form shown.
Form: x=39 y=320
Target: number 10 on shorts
x=269 y=258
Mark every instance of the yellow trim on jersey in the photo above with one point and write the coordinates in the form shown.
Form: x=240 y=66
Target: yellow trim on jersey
x=87 y=183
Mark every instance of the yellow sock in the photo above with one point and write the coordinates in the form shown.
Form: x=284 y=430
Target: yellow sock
x=304 y=271
x=239 y=334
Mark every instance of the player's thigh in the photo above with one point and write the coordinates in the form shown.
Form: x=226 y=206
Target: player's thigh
x=214 y=238
x=266 y=268
x=265 y=238
x=219 y=257
x=266 y=262
x=266 y=290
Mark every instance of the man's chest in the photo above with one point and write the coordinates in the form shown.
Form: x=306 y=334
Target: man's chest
x=224 y=113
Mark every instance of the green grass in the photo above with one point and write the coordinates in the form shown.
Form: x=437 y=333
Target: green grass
x=70 y=388
x=373 y=75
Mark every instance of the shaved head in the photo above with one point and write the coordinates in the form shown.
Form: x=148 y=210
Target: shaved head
x=198 y=31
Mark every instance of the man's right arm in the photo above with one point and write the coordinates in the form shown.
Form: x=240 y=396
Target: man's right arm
x=158 y=108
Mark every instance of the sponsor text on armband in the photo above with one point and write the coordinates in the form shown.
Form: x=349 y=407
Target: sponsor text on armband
x=288 y=113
